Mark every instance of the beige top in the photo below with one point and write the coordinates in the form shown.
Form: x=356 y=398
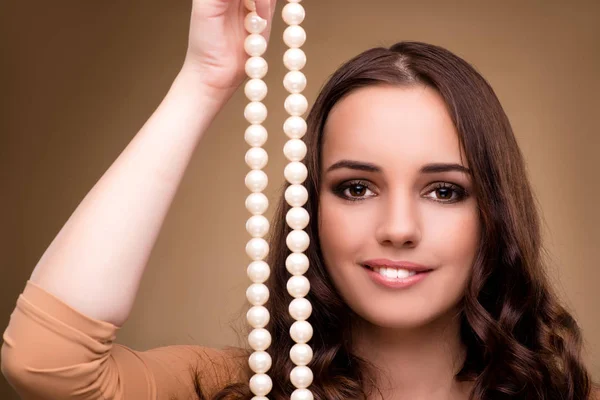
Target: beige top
x=52 y=351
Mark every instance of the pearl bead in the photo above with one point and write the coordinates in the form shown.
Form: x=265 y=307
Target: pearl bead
x=255 y=89
x=301 y=377
x=257 y=203
x=297 y=218
x=256 y=158
x=257 y=226
x=294 y=82
x=297 y=240
x=258 y=271
x=259 y=339
x=298 y=286
x=296 y=195
x=260 y=362
x=257 y=294
x=261 y=384
x=295 y=173
x=254 y=23
x=295 y=127
x=294 y=59
x=256 y=180
x=300 y=309
x=256 y=44
x=257 y=67
x=293 y=14
x=301 y=354
x=299 y=394
x=297 y=263
x=295 y=104
x=250 y=5
x=301 y=331
x=294 y=150
x=257 y=317
x=256 y=112
x=294 y=36
x=257 y=248
x=260 y=397
x=256 y=135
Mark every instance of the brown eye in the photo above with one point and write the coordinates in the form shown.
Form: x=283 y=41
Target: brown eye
x=448 y=193
x=356 y=190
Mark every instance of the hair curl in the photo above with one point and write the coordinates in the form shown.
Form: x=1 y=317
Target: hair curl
x=521 y=343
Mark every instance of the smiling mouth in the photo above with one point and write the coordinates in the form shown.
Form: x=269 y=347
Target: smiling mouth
x=394 y=273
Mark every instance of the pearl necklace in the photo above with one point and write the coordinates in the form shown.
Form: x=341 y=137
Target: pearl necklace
x=296 y=196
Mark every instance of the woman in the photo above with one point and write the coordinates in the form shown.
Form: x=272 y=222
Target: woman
x=426 y=274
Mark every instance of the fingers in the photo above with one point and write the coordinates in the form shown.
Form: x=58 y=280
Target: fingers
x=265 y=8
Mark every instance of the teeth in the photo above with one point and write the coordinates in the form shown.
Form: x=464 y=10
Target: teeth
x=394 y=273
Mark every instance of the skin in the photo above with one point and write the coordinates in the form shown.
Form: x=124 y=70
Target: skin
x=398 y=213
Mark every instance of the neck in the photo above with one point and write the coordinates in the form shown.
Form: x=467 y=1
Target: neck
x=415 y=363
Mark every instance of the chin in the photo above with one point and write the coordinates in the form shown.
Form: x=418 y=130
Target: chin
x=408 y=318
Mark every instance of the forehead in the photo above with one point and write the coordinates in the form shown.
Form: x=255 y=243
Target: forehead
x=391 y=125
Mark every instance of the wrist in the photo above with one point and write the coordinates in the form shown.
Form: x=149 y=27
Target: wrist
x=191 y=80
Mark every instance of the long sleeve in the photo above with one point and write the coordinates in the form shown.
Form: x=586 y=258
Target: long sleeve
x=52 y=351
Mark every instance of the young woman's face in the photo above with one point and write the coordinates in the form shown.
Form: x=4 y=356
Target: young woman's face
x=382 y=197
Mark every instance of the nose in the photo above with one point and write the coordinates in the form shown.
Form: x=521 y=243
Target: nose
x=399 y=222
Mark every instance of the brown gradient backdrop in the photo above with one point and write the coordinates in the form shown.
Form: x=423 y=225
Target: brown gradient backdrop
x=81 y=77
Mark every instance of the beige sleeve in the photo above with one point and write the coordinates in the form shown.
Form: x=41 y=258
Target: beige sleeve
x=51 y=351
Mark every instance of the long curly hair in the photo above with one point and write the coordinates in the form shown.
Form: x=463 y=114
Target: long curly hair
x=521 y=342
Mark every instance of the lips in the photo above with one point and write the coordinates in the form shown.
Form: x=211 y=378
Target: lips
x=404 y=265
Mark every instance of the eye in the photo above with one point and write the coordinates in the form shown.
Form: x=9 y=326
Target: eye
x=354 y=190
x=445 y=192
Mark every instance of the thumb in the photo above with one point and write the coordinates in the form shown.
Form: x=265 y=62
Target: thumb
x=265 y=9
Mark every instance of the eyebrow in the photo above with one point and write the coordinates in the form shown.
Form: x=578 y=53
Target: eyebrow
x=426 y=169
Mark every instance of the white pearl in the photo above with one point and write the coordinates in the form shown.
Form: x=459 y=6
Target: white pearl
x=293 y=14
x=301 y=377
x=301 y=331
x=256 y=67
x=257 y=294
x=254 y=23
x=255 y=90
x=256 y=158
x=256 y=112
x=301 y=354
x=300 y=309
x=295 y=127
x=296 y=195
x=297 y=240
x=295 y=104
x=298 y=394
x=263 y=397
x=298 y=286
x=261 y=384
x=260 y=362
x=256 y=45
x=295 y=173
x=297 y=263
x=257 y=248
x=294 y=36
x=250 y=5
x=257 y=226
x=256 y=135
x=259 y=339
x=295 y=150
x=297 y=217
x=294 y=59
x=256 y=180
x=257 y=203
x=294 y=82
x=257 y=317
x=258 y=271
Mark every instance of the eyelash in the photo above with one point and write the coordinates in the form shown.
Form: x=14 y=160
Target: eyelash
x=460 y=191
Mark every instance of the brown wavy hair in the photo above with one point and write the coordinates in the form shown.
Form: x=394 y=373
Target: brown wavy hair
x=521 y=342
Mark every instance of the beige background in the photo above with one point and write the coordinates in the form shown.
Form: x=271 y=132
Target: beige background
x=81 y=77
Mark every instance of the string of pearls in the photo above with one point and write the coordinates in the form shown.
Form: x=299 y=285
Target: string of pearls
x=296 y=196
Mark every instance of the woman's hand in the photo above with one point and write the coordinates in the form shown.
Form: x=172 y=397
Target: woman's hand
x=216 y=41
